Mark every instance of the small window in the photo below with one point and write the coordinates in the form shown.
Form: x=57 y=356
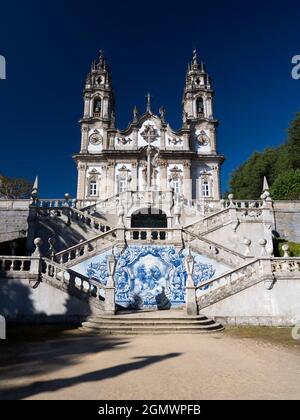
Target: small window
x=205 y=189
x=93 y=188
x=177 y=186
x=122 y=184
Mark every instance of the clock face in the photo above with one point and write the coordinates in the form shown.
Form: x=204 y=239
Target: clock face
x=96 y=138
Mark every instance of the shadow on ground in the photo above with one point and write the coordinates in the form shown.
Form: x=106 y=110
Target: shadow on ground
x=96 y=376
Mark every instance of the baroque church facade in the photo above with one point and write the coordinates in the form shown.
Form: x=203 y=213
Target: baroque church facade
x=149 y=230
x=148 y=154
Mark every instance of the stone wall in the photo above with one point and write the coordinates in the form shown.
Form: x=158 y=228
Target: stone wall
x=44 y=304
x=13 y=219
x=257 y=305
x=287 y=219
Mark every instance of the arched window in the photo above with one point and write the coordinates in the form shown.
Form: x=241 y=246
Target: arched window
x=205 y=189
x=93 y=188
x=200 y=107
x=97 y=107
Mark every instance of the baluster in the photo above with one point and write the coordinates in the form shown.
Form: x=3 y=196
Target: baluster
x=77 y=252
x=22 y=265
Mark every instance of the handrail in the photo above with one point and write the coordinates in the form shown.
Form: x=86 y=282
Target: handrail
x=273 y=268
x=210 y=216
x=70 y=271
x=223 y=247
x=227 y=273
x=86 y=242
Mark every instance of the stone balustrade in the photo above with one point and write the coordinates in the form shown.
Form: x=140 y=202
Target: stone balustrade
x=60 y=208
x=236 y=280
x=200 y=205
x=209 y=222
x=242 y=204
x=216 y=251
x=230 y=277
x=71 y=281
x=91 y=221
x=85 y=248
x=18 y=266
x=152 y=234
x=284 y=265
x=55 y=203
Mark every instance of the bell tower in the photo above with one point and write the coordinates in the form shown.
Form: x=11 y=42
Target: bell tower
x=99 y=104
x=197 y=96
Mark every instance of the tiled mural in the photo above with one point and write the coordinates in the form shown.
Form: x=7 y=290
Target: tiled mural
x=149 y=276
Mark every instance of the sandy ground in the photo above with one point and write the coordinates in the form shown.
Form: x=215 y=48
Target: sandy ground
x=214 y=366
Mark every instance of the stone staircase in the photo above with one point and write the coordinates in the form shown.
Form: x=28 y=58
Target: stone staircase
x=150 y=322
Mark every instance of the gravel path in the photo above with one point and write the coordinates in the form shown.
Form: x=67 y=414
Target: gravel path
x=151 y=367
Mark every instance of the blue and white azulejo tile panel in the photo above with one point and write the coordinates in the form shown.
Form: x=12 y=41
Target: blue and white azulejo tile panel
x=151 y=275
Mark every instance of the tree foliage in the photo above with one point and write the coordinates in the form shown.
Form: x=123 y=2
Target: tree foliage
x=14 y=188
x=286 y=186
x=278 y=164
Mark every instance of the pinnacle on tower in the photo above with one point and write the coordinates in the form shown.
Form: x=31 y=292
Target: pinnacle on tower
x=148 y=109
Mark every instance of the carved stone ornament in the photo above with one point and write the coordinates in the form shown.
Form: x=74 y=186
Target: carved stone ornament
x=123 y=140
x=124 y=169
x=175 y=173
x=93 y=172
x=96 y=138
x=150 y=133
x=175 y=141
x=203 y=138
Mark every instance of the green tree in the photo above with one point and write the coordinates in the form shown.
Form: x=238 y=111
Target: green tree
x=286 y=186
x=247 y=180
x=293 y=144
x=14 y=188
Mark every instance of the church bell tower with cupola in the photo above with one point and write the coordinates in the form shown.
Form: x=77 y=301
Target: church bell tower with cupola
x=99 y=105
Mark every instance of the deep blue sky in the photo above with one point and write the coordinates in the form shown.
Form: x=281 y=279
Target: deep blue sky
x=247 y=47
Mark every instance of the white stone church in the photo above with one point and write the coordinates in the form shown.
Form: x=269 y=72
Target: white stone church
x=148 y=245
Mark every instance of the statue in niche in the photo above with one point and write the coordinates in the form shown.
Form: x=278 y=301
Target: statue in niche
x=162 y=113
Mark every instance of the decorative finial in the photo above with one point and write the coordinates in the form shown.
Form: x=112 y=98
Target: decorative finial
x=148 y=96
x=101 y=59
x=265 y=185
x=195 y=62
x=135 y=113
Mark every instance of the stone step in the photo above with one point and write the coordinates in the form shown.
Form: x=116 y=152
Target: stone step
x=137 y=331
x=148 y=318
x=151 y=324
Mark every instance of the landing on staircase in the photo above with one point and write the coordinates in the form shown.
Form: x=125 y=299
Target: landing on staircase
x=150 y=322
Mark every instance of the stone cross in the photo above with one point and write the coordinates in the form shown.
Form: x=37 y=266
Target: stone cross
x=149 y=135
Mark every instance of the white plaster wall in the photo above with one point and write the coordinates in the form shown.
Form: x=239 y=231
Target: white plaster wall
x=44 y=303
x=234 y=240
x=257 y=305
